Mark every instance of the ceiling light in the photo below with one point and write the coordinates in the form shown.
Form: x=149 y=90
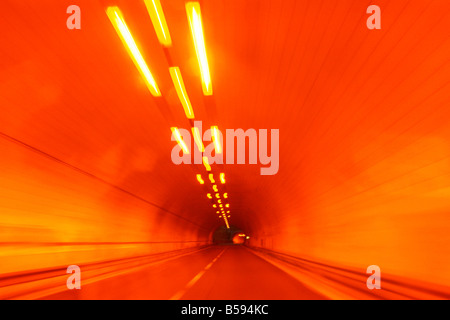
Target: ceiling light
x=206 y=163
x=159 y=22
x=215 y=133
x=177 y=135
x=178 y=83
x=195 y=23
x=198 y=140
x=116 y=18
x=199 y=178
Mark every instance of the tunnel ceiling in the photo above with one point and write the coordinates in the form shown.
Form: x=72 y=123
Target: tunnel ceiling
x=345 y=99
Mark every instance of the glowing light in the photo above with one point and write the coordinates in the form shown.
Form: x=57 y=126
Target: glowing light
x=215 y=188
x=209 y=195
x=225 y=195
x=228 y=211
x=217 y=211
x=206 y=163
x=116 y=18
x=216 y=139
x=221 y=205
x=211 y=178
x=222 y=177
x=219 y=201
x=199 y=178
x=217 y=195
x=226 y=222
x=177 y=135
x=197 y=139
x=178 y=83
x=214 y=206
x=247 y=237
x=159 y=22
x=195 y=23
x=227 y=205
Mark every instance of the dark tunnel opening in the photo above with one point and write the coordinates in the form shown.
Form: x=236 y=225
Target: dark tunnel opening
x=224 y=236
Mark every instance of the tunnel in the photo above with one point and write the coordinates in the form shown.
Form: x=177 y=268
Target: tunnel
x=241 y=150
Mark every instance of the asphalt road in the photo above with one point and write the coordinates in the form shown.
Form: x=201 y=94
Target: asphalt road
x=217 y=272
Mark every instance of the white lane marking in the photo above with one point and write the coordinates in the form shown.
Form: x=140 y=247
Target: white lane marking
x=180 y=293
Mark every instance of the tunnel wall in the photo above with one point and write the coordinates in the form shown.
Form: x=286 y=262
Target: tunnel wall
x=56 y=216
x=367 y=181
x=381 y=198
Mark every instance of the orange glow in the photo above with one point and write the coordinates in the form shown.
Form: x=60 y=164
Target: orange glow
x=116 y=18
x=159 y=21
x=179 y=139
x=217 y=195
x=195 y=23
x=197 y=139
x=219 y=201
x=216 y=139
x=222 y=177
x=178 y=83
x=211 y=178
x=357 y=121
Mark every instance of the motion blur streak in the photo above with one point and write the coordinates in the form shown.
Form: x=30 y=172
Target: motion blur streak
x=86 y=176
x=121 y=27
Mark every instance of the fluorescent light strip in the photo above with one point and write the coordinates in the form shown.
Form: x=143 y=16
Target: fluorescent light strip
x=215 y=133
x=195 y=23
x=197 y=139
x=226 y=222
x=177 y=135
x=159 y=21
x=116 y=18
x=177 y=80
x=206 y=164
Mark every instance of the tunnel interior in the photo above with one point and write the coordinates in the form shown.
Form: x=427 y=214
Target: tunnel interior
x=345 y=132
